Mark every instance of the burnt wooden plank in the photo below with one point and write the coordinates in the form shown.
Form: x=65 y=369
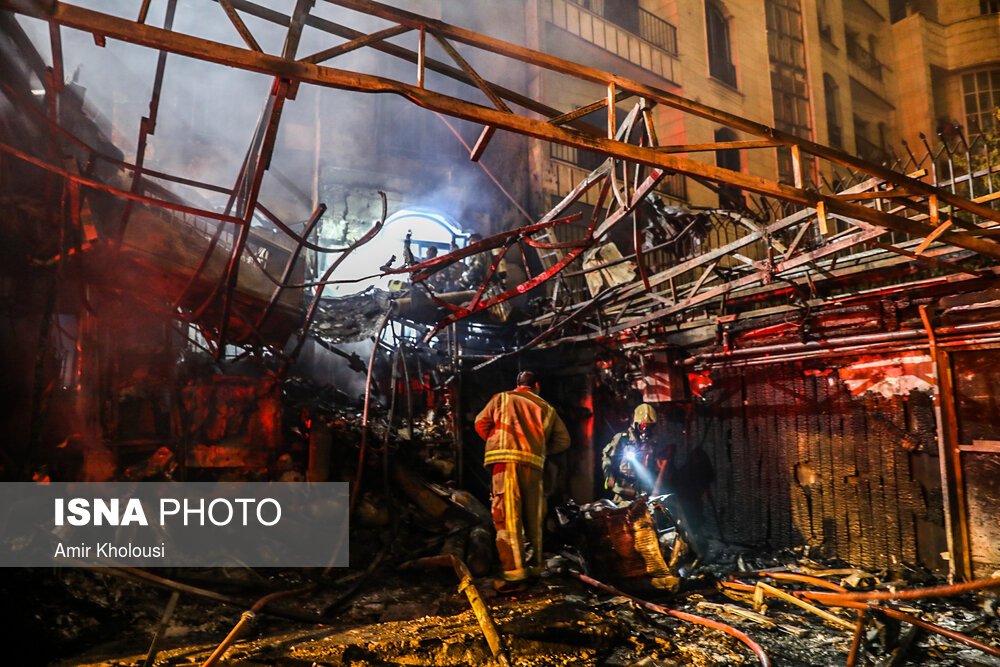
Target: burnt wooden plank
x=848 y=424
x=803 y=516
x=818 y=502
x=832 y=507
x=784 y=465
x=736 y=522
x=868 y=519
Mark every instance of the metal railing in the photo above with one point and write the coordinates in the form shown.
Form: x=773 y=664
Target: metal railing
x=672 y=186
x=661 y=34
x=865 y=59
x=658 y=32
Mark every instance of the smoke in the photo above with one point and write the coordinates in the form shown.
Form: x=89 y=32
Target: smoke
x=333 y=146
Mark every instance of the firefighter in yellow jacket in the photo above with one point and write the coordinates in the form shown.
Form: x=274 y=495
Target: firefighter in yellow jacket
x=520 y=429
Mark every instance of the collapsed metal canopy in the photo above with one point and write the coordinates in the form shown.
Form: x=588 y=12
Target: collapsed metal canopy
x=813 y=234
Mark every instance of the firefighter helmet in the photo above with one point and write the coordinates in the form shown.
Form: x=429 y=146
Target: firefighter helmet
x=644 y=414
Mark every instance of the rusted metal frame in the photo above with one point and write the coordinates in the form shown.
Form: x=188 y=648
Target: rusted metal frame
x=247 y=207
x=801 y=216
x=933 y=236
x=494 y=265
x=421 y=56
x=801 y=234
x=993 y=196
x=637 y=243
x=735 y=285
x=570 y=116
x=531 y=284
x=719 y=146
x=355 y=44
x=424 y=269
x=548 y=333
x=862 y=603
x=58 y=75
x=552 y=245
x=290 y=265
x=621 y=134
x=894 y=193
x=626 y=258
x=359 y=472
x=291 y=233
x=143 y=11
x=122 y=29
x=311 y=312
x=537 y=58
x=486 y=170
x=237 y=194
x=53 y=82
x=651 y=181
x=93 y=153
x=97 y=185
x=410 y=56
x=701 y=279
x=484 y=137
x=753 y=227
x=956 y=510
x=843 y=274
x=523 y=288
x=240 y=26
x=299 y=15
x=480 y=82
x=845 y=345
x=207 y=255
x=599 y=206
x=147 y=126
x=668 y=274
x=934 y=262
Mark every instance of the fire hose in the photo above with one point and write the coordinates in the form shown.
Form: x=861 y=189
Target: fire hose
x=684 y=616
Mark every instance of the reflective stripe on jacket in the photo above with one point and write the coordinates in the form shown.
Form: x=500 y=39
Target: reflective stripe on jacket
x=520 y=427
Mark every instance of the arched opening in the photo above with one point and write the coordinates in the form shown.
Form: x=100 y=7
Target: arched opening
x=720 y=52
x=427 y=229
x=728 y=158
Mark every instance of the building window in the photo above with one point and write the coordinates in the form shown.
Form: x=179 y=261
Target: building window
x=728 y=158
x=720 y=53
x=989 y=6
x=825 y=24
x=865 y=58
x=981 y=95
x=789 y=79
x=832 y=94
x=624 y=13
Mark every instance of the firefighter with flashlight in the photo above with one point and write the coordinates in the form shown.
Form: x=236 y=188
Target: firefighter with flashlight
x=634 y=462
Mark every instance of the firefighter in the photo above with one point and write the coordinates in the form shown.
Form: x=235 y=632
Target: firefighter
x=520 y=430
x=633 y=462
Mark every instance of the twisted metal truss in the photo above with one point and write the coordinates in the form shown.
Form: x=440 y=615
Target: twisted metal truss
x=800 y=233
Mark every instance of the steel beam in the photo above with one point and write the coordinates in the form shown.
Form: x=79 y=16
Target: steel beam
x=129 y=31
